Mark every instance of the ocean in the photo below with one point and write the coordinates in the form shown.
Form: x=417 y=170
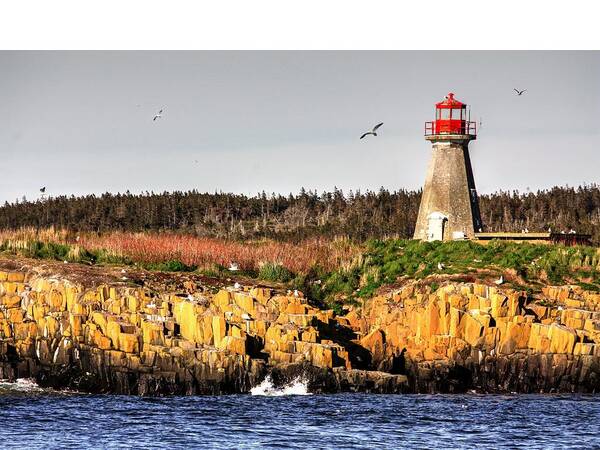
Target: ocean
x=32 y=418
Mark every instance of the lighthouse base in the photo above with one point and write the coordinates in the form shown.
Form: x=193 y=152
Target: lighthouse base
x=449 y=206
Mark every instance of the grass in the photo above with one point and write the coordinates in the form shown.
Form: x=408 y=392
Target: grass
x=275 y=272
x=332 y=272
x=533 y=265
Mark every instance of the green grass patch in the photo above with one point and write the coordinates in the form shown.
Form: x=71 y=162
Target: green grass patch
x=275 y=272
x=169 y=266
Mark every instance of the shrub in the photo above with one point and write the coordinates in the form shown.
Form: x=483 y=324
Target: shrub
x=274 y=272
x=170 y=266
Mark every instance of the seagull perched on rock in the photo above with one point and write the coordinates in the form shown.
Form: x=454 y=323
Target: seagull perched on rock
x=157 y=115
x=520 y=92
x=440 y=266
x=373 y=131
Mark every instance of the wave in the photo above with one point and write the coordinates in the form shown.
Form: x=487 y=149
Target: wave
x=298 y=386
x=28 y=386
x=25 y=385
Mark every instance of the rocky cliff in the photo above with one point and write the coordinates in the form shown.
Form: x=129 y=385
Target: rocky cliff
x=101 y=330
x=473 y=336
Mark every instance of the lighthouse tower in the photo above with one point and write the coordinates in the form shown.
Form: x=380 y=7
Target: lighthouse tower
x=449 y=207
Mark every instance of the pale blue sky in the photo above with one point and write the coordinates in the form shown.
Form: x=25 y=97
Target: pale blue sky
x=277 y=121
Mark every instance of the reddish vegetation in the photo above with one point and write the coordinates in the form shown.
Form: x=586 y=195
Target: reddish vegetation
x=202 y=252
x=197 y=251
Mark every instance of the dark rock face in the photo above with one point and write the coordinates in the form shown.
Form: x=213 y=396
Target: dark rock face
x=329 y=381
x=504 y=374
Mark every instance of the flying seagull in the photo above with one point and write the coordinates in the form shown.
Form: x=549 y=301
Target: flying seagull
x=373 y=131
x=42 y=190
x=520 y=92
x=158 y=115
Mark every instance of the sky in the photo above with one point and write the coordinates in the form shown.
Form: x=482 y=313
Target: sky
x=252 y=121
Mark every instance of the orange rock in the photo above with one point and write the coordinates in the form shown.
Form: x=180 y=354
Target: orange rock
x=244 y=301
x=310 y=335
x=374 y=342
x=152 y=333
x=15 y=315
x=295 y=308
x=11 y=301
x=322 y=356
x=302 y=320
x=75 y=322
x=101 y=341
x=562 y=339
x=573 y=322
x=472 y=327
x=262 y=295
x=16 y=277
x=233 y=344
x=219 y=328
x=583 y=349
x=128 y=343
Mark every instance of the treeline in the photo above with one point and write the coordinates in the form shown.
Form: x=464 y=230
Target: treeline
x=357 y=215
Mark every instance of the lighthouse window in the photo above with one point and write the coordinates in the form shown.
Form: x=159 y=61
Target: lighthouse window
x=456 y=114
x=445 y=114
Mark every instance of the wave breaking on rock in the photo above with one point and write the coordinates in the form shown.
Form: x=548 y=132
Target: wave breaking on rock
x=297 y=386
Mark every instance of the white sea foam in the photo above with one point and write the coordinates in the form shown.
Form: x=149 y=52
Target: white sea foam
x=26 y=386
x=298 y=386
x=21 y=385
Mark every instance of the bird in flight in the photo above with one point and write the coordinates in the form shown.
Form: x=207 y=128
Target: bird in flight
x=373 y=131
x=157 y=115
x=42 y=190
x=520 y=92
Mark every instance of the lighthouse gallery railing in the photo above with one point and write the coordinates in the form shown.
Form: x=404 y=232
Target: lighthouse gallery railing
x=467 y=127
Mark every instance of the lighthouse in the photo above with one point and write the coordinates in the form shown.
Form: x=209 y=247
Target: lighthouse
x=449 y=206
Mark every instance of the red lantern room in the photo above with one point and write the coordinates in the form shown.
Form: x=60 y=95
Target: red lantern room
x=450 y=118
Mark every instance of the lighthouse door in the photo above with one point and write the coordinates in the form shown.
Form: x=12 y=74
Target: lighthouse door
x=436 y=222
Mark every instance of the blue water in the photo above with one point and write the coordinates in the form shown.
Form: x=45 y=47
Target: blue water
x=35 y=418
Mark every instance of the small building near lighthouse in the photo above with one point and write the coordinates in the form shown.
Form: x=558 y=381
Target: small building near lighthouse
x=449 y=207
